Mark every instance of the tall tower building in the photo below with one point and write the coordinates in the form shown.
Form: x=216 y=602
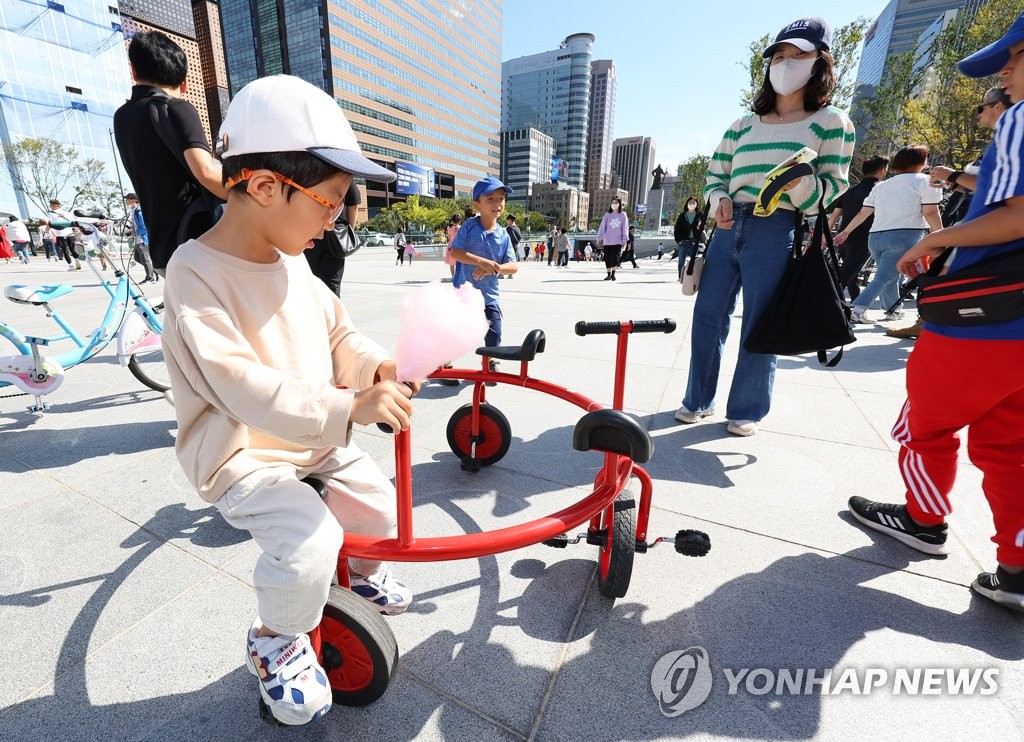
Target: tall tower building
x=526 y=156
x=550 y=92
x=895 y=31
x=603 y=87
x=200 y=39
x=412 y=87
x=632 y=162
x=63 y=73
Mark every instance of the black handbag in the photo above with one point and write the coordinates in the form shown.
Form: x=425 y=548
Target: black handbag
x=806 y=314
x=348 y=241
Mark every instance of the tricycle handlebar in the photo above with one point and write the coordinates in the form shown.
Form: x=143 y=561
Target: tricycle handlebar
x=614 y=328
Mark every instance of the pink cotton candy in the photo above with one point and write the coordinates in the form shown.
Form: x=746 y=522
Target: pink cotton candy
x=439 y=324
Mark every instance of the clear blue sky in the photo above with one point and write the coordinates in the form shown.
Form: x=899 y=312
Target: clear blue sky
x=678 y=63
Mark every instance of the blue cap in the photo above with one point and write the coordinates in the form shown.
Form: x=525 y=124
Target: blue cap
x=489 y=185
x=806 y=34
x=993 y=57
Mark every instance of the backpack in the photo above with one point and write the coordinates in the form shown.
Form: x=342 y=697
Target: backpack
x=204 y=209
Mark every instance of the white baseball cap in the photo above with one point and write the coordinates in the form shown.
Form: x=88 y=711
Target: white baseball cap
x=284 y=113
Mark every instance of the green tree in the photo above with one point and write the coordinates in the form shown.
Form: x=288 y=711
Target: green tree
x=891 y=117
x=95 y=190
x=949 y=100
x=845 y=54
x=537 y=221
x=693 y=174
x=42 y=168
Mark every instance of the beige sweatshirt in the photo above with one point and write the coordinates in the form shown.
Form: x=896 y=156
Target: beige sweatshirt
x=254 y=353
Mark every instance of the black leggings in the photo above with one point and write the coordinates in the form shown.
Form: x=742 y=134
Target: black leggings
x=66 y=248
x=611 y=256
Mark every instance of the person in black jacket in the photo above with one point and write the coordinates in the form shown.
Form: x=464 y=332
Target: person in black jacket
x=327 y=256
x=685 y=231
x=854 y=252
x=629 y=250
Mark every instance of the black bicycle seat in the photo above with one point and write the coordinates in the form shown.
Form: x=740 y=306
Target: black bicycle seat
x=533 y=345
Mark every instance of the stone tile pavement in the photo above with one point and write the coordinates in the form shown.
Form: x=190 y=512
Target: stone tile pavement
x=124 y=598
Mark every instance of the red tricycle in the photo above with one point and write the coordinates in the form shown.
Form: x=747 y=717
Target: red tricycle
x=355 y=645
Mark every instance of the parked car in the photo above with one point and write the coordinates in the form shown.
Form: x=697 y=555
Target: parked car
x=376 y=239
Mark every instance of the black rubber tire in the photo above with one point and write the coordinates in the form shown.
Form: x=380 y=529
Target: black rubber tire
x=621 y=539
x=149 y=367
x=494 y=427
x=365 y=629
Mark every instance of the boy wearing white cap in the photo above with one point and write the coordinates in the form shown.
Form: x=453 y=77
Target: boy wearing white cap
x=256 y=347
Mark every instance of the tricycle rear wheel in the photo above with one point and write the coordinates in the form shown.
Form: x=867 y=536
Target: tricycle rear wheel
x=495 y=434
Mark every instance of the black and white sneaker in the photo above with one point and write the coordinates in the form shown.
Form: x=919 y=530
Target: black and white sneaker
x=892 y=520
x=1001 y=587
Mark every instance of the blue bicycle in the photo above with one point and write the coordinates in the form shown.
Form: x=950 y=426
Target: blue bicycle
x=137 y=330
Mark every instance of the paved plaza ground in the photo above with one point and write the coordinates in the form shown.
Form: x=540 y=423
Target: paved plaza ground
x=124 y=598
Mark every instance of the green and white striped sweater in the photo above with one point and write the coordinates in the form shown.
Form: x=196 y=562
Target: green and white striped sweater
x=750 y=149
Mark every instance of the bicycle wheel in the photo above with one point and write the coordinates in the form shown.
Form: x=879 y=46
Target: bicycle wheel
x=358 y=651
x=149 y=366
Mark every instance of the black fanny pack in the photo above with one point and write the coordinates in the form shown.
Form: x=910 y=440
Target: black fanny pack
x=985 y=293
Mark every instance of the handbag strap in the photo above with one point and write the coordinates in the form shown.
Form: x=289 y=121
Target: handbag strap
x=821 y=239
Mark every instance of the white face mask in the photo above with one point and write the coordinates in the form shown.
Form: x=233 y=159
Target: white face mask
x=615 y=206
x=790 y=75
x=691 y=207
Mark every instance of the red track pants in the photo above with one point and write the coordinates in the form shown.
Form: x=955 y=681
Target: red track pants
x=977 y=384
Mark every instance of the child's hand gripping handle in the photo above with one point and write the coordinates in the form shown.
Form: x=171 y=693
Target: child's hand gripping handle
x=384 y=427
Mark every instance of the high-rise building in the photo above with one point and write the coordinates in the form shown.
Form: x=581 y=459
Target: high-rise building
x=526 y=156
x=62 y=76
x=603 y=87
x=896 y=30
x=632 y=162
x=412 y=87
x=550 y=92
x=195 y=27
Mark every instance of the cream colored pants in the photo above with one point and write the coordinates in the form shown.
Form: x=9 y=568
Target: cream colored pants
x=300 y=534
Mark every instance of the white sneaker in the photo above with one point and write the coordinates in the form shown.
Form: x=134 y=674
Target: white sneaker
x=892 y=316
x=71 y=268
x=742 y=427
x=292 y=683
x=684 y=415
x=388 y=595
x=860 y=317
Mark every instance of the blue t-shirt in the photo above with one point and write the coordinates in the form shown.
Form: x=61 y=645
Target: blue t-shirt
x=1001 y=177
x=494 y=245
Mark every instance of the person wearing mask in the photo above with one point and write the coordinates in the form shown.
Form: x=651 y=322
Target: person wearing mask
x=685 y=231
x=612 y=235
x=905 y=208
x=855 y=252
x=748 y=254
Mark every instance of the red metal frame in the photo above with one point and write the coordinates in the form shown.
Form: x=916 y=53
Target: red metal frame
x=611 y=479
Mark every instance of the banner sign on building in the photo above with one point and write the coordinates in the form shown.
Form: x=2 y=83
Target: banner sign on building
x=641 y=208
x=559 y=169
x=414 y=180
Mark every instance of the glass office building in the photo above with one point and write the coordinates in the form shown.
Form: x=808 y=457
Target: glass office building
x=603 y=88
x=409 y=74
x=550 y=92
x=526 y=156
x=62 y=76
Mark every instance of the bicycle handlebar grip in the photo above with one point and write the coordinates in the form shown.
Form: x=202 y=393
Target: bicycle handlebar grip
x=614 y=328
x=655 y=325
x=598 y=328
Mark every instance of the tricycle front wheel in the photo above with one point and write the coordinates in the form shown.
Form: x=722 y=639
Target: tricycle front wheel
x=615 y=565
x=358 y=651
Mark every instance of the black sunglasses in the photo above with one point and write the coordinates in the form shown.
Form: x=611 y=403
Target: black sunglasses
x=983 y=106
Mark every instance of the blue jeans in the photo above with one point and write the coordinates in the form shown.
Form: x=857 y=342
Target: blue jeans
x=493 y=314
x=21 y=249
x=887 y=248
x=750 y=257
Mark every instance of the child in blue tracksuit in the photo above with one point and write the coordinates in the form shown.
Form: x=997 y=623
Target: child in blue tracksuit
x=483 y=251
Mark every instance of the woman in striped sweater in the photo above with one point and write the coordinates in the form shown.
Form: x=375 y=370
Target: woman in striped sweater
x=749 y=253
